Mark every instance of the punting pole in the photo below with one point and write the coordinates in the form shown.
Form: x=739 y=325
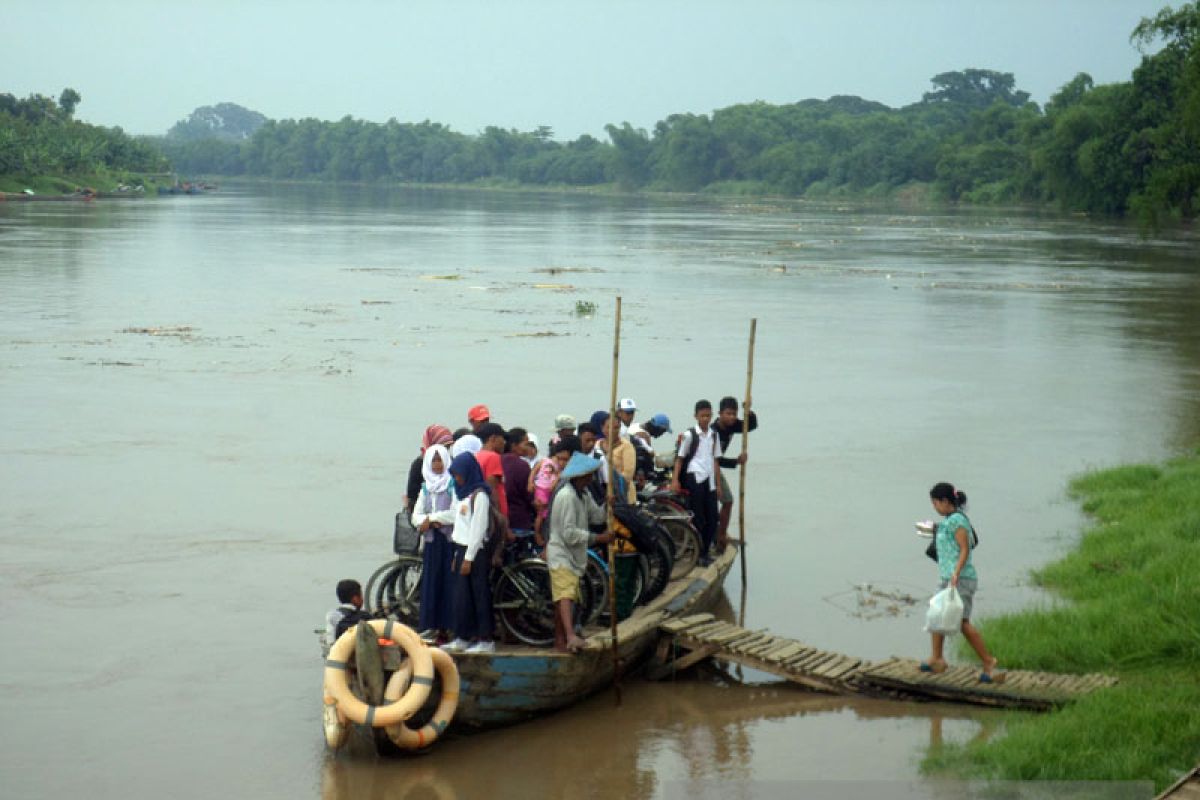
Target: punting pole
x=612 y=481
x=745 y=449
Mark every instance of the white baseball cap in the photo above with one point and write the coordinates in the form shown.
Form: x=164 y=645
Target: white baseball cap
x=626 y=404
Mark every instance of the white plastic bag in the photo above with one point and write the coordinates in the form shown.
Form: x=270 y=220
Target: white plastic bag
x=945 y=612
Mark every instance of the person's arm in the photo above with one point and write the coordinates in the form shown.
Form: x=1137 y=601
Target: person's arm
x=480 y=517
x=716 y=464
x=684 y=442
x=421 y=508
x=963 y=539
x=412 y=486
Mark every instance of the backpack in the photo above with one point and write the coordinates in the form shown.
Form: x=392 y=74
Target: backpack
x=695 y=445
x=643 y=527
x=349 y=620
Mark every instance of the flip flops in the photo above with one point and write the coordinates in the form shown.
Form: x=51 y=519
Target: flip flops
x=996 y=677
x=936 y=669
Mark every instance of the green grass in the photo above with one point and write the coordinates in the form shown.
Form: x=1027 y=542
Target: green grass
x=65 y=184
x=1131 y=607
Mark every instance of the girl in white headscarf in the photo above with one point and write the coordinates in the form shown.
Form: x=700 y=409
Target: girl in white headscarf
x=433 y=517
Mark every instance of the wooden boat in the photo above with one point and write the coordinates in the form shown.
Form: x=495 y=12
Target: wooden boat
x=518 y=682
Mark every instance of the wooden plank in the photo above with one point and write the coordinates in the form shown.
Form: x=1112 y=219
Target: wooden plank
x=790 y=650
x=742 y=645
x=810 y=664
x=683 y=662
x=683 y=623
x=698 y=631
x=733 y=634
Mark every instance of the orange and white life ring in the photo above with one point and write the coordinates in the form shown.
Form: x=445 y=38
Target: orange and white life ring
x=335 y=725
x=406 y=737
x=337 y=687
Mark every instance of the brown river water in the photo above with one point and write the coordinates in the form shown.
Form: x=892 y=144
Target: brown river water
x=209 y=405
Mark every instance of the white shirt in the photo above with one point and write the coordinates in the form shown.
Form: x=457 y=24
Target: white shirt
x=638 y=435
x=602 y=473
x=471 y=520
x=703 y=463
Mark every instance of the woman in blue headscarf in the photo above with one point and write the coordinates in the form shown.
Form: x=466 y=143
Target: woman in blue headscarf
x=470 y=563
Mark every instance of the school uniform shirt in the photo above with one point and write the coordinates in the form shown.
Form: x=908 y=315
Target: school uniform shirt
x=491 y=466
x=634 y=430
x=570 y=514
x=702 y=466
x=438 y=509
x=333 y=618
x=602 y=473
x=471 y=518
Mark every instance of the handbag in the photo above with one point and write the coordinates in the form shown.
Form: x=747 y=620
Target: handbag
x=931 y=550
x=405 y=539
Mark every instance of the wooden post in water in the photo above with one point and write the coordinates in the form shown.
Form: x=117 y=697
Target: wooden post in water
x=745 y=449
x=612 y=480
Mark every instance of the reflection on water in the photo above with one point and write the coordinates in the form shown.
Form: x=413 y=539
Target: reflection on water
x=682 y=734
x=209 y=405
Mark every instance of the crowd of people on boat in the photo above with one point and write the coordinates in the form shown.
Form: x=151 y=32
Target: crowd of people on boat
x=479 y=492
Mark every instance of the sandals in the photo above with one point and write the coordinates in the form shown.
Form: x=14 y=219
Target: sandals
x=936 y=667
x=989 y=675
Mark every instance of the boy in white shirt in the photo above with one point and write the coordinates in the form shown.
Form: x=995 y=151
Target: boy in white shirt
x=697 y=475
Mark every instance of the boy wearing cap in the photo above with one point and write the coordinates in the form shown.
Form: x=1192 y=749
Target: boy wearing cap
x=478 y=416
x=726 y=425
x=564 y=425
x=572 y=510
x=626 y=408
x=698 y=472
x=492 y=437
x=642 y=435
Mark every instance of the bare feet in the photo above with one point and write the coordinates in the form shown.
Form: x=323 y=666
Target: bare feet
x=989 y=674
x=575 y=644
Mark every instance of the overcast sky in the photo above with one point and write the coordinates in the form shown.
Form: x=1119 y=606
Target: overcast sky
x=518 y=64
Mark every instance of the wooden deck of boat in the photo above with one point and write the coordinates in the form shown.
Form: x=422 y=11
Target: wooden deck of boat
x=703 y=636
x=1186 y=788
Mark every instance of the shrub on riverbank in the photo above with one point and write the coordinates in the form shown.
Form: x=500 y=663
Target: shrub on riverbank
x=1132 y=592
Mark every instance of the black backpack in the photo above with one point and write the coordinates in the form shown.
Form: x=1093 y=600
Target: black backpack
x=643 y=527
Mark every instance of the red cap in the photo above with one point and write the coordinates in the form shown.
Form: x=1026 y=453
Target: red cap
x=478 y=413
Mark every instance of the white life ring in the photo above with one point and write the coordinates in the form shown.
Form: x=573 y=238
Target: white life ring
x=337 y=687
x=406 y=737
x=334 y=724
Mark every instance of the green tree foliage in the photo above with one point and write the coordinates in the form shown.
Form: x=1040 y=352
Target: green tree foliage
x=974 y=136
x=38 y=136
x=227 y=121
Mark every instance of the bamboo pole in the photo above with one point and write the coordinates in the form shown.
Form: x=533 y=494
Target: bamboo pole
x=612 y=481
x=746 y=404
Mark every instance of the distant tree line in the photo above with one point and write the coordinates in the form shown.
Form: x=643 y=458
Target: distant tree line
x=1131 y=147
x=39 y=136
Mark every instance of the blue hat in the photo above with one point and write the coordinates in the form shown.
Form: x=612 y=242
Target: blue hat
x=580 y=465
x=662 y=421
x=598 y=419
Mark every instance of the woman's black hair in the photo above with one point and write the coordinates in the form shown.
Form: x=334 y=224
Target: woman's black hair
x=513 y=438
x=569 y=443
x=946 y=491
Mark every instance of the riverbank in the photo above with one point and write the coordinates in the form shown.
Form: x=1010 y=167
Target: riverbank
x=106 y=182
x=1131 y=608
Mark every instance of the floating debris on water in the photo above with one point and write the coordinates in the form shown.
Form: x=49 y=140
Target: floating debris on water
x=559 y=286
x=377 y=302
x=871 y=602
x=560 y=270
x=534 y=334
x=181 y=331
x=441 y=277
x=585 y=307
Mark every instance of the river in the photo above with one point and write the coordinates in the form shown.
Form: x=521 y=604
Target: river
x=209 y=405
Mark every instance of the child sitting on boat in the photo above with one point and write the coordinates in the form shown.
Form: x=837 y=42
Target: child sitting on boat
x=348 y=612
x=572 y=510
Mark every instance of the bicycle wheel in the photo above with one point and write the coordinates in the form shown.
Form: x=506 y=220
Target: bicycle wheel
x=401 y=591
x=523 y=602
x=686 y=543
x=372 y=584
x=594 y=604
x=659 y=564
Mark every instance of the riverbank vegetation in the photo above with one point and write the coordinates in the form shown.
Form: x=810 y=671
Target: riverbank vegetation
x=1130 y=600
x=43 y=148
x=1130 y=147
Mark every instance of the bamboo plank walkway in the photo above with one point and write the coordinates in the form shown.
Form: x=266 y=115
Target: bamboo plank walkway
x=702 y=636
x=1186 y=788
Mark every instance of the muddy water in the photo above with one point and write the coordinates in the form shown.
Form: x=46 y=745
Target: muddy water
x=209 y=404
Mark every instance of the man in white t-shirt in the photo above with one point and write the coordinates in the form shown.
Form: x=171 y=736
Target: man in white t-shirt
x=698 y=474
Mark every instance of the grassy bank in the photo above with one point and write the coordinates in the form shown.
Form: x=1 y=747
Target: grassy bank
x=65 y=184
x=1130 y=606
